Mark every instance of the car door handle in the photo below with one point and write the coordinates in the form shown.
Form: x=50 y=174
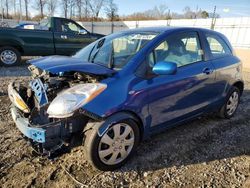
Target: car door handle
x=64 y=37
x=207 y=71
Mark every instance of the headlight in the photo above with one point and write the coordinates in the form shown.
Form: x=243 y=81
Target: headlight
x=16 y=99
x=73 y=98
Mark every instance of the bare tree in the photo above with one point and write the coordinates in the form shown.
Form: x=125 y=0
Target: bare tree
x=72 y=4
x=20 y=10
x=7 y=8
x=188 y=13
x=14 y=7
x=111 y=10
x=26 y=2
x=65 y=4
x=95 y=7
x=79 y=5
x=86 y=8
x=51 y=7
x=40 y=4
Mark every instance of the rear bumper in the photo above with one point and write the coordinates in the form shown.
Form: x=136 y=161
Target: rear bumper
x=36 y=134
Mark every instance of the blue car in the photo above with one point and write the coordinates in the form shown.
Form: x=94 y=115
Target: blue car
x=121 y=89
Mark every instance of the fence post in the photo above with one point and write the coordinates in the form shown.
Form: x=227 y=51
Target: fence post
x=112 y=27
x=213 y=19
x=92 y=26
x=136 y=24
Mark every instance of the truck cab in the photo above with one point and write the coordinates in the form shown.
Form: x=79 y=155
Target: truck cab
x=52 y=36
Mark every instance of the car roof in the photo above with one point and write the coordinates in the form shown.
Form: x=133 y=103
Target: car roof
x=166 y=29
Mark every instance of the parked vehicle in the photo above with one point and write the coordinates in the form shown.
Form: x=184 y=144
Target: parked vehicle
x=54 y=36
x=125 y=87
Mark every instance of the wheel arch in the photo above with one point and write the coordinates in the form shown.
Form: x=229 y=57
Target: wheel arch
x=17 y=47
x=116 y=117
x=240 y=86
x=14 y=44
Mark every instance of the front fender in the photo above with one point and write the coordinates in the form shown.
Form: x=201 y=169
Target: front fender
x=102 y=126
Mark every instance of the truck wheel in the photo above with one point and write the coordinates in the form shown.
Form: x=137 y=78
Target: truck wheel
x=231 y=104
x=9 y=56
x=111 y=150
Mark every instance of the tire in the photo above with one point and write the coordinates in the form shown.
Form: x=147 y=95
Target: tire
x=232 y=102
x=119 y=148
x=9 y=56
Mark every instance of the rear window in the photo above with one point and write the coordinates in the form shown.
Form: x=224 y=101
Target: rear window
x=218 y=46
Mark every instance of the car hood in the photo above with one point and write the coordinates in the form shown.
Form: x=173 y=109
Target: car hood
x=57 y=64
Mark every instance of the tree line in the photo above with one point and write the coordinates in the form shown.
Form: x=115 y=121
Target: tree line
x=88 y=10
x=83 y=10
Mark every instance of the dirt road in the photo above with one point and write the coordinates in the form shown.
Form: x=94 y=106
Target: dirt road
x=207 y=152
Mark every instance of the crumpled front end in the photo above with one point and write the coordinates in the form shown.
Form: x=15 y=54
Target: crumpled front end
x=30 y=102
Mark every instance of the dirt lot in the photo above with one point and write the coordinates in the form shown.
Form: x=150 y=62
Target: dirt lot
x=208 y=152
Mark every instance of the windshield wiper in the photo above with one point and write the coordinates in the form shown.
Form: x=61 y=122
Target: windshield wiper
x=98 y=47
x=111 y=62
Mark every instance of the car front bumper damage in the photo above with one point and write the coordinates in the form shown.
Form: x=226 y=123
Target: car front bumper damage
x=45 y=137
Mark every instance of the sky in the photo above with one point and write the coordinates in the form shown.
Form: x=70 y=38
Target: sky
x=226 y=8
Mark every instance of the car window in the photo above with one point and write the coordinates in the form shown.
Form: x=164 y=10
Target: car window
x=68 y=26
x=182 y=49
x=217 y=46
x=115 y=51
x=45 y=24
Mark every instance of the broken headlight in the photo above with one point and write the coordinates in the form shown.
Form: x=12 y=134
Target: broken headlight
x=73 y=98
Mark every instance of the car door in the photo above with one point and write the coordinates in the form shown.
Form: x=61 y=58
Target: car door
x=70 y=37
x=226 y=65
x=173 y=98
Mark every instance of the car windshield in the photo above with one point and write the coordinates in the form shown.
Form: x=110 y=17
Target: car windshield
x=114 y=51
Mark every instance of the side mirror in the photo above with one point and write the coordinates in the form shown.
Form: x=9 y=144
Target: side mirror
x=165 y=68
x=82 y=32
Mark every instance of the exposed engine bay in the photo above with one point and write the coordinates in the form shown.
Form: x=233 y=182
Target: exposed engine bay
x=33 y=99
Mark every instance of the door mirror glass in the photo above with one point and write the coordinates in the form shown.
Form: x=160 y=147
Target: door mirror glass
x=165 y=68
x=82 y=32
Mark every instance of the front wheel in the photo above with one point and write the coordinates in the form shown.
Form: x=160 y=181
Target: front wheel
x=231 y=104
x=9 y=56
x=114 y=147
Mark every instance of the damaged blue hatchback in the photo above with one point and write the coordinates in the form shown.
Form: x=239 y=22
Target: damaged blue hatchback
x=125 y=87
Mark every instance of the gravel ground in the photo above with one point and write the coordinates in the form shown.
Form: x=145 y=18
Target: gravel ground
x=207 y=152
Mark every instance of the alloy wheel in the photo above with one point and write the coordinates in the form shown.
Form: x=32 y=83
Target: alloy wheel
x=232 y=103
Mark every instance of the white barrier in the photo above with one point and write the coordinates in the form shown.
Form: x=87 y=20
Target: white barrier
x=236 y=29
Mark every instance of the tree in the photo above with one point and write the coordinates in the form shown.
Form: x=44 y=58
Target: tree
x=7 y=8
x=26 y=2
x=72 y=4
x=95 y=7
x=79 y=8
x=86 y=9
x=65 y=4
x=51 y=7
x=14 y=7
x=158 y=12
x=40 y=4
x=204 y=14
x=188 y=13
x=111 y=10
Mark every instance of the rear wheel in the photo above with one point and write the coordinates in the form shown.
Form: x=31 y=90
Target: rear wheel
x=231 y=104
x=114 y=147
x=9 y=56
